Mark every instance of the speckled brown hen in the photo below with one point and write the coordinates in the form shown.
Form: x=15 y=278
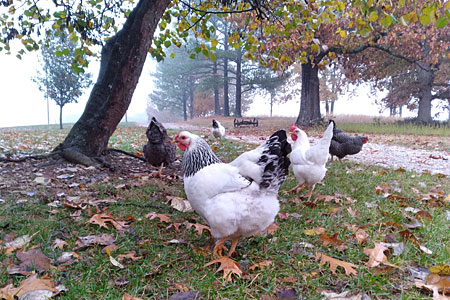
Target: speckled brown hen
x=159 y=149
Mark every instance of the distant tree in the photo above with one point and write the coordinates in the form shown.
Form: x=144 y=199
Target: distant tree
x=269 y=82
x=332 y=84
x=57 y=79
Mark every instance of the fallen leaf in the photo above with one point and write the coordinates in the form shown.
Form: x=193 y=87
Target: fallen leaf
x=17 y=243
x=198 y=227
x=161 y=217
x=333 y=240
x=179 y=203
x=185 y=296
x=113 y=260
x=32 y=283
x=334 y=263
x=315 y=231
x=129 y=297
x=34 y=258
x=269 y=230
x=443 y=269
x=343 y=296
x=58 y=243
x=261 y=265
x=228 y=266
x=398 y=247
x=361 y=236
x=376 y=255
x=104 y=239
x=131 y=255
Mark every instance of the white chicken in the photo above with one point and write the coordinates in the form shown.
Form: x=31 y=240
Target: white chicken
x=217 y=130
x=308 y=162
x=239 y=198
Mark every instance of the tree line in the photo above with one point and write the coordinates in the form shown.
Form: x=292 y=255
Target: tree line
x=276 y=34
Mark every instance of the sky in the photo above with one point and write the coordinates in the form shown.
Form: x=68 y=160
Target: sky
x=22 y=103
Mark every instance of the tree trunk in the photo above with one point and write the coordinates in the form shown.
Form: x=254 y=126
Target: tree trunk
x=327 y=107
x=400 y=110
x=238 y=107
x=310 y=101
x=60 y=117
x=226 y=100
x=426 y=77
x=271 y=102
x=191 y=102
x=185 y=115
x=332 y=107
x=122 y=59
x=216 y=90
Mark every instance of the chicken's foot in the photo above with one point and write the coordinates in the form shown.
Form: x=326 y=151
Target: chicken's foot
x=219 y=246
x=234 y=242
x=297 y=188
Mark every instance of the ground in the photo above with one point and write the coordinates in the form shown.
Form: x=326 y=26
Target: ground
x=163 y=250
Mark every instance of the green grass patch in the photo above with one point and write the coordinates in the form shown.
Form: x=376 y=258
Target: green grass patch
x=172 y=259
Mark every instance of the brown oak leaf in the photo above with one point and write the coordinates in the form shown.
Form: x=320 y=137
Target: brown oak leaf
x=334 y=263
x=228 y=266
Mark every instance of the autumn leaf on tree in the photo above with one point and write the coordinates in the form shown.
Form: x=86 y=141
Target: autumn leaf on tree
x=228 y=266
x=334 y=263
x=376 y=255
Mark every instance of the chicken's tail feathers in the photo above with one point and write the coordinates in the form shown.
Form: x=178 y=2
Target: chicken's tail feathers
x=215 y=124
x=275 y=161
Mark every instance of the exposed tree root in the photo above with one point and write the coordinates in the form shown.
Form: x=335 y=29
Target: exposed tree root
x=74 y=156
x=126 y=153
x=24 y=158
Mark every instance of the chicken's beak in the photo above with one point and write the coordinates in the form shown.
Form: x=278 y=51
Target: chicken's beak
x=174 y=140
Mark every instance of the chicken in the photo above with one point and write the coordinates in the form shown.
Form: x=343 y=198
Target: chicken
x=342 y=144
x=159 y=149
x=217 y=130
x=239 y=198
x=308 y=162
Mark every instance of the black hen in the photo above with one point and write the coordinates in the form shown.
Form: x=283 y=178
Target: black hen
x=343 y=144
x=159 y=148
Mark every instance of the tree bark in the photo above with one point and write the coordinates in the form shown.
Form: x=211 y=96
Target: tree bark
x=238 y=107
x=216 y=90
x=310 y=100
x=272 y=96
x=122 y=59
x=332 y=107
x=226 y=100
x=60 y=117
x=426 y=78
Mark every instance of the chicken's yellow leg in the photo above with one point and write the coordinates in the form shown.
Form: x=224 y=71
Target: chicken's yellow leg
x=234 y=242
x=219 y=246
x=311 y=188
x=297 y=188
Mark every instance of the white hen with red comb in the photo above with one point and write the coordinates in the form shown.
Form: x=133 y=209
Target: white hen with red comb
x=308 y=162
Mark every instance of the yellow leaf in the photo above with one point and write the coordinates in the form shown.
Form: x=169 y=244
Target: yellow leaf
x=441 y=269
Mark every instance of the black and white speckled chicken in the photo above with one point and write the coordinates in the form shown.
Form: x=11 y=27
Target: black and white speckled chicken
x=239 y=198
x=159 y=148
x=343 y=144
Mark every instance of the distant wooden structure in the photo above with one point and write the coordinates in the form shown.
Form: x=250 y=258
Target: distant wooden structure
x=251 y=122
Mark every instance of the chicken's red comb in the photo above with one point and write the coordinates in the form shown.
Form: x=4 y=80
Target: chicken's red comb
x=293 y=127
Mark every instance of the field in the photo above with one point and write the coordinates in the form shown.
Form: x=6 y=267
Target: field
x=66 y=216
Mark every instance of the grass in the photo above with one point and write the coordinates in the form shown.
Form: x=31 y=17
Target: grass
x=167 y=268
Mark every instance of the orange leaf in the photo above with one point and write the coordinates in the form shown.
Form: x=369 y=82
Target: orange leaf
x=228 y=266
x=198 y=227
x=334 y=263
x=131 y=255
x=161 y=217
x=261 y=265
x=269 y=230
